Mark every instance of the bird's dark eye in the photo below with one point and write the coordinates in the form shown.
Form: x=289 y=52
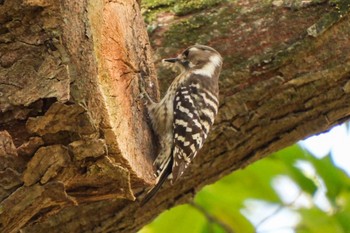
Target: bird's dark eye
x=186 y=52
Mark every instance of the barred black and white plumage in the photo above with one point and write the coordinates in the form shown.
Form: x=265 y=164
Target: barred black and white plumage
x=183 y=118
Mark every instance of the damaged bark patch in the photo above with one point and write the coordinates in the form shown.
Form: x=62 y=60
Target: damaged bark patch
x=9 y=179
x=62 y=117
x=103 y=180
x=11 y=166
x=86 y=149
x=26 y=202
x=74 y=133
x=30 y=147
x=7 y=148
x=45 y=164
x=29 y=70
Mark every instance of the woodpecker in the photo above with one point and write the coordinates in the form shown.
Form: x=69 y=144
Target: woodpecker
x=184 y=116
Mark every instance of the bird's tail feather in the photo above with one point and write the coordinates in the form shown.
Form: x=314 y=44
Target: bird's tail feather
x=161 y=179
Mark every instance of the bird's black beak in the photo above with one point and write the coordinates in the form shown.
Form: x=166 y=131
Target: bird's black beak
x=172 y=60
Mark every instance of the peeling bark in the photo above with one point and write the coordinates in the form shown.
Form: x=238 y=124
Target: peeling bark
x=75 y=147
x=70 y=124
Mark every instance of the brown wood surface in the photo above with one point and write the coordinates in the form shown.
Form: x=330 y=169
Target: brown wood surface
x=75 y=147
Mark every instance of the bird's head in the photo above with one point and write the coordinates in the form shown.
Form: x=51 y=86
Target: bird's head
x=196 y=57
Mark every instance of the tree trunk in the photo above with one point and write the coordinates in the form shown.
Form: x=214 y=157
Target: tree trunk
x=76 y=148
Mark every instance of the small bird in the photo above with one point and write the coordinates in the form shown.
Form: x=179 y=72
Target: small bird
x=184 y=116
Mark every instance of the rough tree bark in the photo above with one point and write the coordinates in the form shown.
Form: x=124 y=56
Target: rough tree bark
x=75 y=147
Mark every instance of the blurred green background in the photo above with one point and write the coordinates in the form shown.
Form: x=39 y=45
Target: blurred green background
x=290 y=191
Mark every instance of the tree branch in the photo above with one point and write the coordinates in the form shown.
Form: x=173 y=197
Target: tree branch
x=212 y=219
x=285 y=76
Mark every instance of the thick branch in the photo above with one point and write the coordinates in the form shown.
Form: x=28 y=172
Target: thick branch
x=286 y=76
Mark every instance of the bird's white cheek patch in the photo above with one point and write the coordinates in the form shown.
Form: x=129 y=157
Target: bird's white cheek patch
x=215 y=60
x=193 y=49
x=209 y=68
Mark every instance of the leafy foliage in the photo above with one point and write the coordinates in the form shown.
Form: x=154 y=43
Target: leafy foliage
x=227 y=204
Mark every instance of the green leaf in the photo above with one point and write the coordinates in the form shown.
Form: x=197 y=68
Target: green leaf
x=212 y=228
x=334 y=178
x=343 y=213
x=290 y=156
x=225 y=199
x=316 y=221
x=182 y=218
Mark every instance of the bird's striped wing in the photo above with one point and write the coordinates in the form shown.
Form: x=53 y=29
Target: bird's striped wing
x=194 y=112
